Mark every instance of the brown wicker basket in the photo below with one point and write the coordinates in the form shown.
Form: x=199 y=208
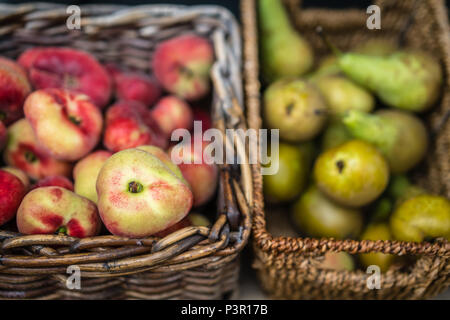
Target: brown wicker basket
x=192 y=263
x=288 y=267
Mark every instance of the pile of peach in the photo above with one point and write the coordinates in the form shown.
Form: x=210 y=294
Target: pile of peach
x=87 y=144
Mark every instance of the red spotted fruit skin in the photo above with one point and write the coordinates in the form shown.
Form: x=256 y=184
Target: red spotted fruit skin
x=14 y=88
x=59 y=67
x=138 y=195
x=172 y=113
x=135 y=86
x=200 y=172
x=12 y=191
x=49 y=210
x=127 y=127
x=182 y=66
x=24 y=152
x=66 y=124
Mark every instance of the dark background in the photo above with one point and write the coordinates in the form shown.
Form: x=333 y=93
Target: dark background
x=232 y=5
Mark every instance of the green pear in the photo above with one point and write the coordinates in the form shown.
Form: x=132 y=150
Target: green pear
x=342 y=95
x=327 y=66
x=353 y=174
x=296 y=108
x=376 y=47
x=421 y=218
x=401 y=189
x=381 y=209
x=400 y=136
x=294 y=164
x=405 y=80
x=334 y=135
x=378 y=231
x=318 y=216
x=284 y=52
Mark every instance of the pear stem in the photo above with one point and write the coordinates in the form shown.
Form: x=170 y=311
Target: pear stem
x=330 y=45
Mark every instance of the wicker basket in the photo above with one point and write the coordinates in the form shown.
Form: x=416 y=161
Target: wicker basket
x=192 y=263
x=289 y=267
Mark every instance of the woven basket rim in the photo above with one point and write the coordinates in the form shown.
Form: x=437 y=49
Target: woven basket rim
x=283 y=244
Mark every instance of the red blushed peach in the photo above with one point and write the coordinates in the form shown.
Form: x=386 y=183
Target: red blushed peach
x=201 y=176
x=138 y=195
x=67 y=124
x=125 y=128
x=12 y=191
x=69 y=69
x=14 y=88
x=135 y=86
x=133 y=109
x=2 y=136
x=182 y=65
x=24 y=152
x=56 y=181
x=172 y=113
x=19 y=174
x=48 y=210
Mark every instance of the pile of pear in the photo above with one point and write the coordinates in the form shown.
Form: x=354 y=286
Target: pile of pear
x=351 y=131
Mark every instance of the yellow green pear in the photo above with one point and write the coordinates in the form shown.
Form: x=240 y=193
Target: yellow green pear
x=404 y=79
x=399 y=135
x=296 y=108
x=341 y=95
x=334 y=135
x=352 y=174
x=318 y=216
x=401 y=189
x=284 y=52
x=294 y=162
x=420 y=218
x=376 y=47
x=377 y=231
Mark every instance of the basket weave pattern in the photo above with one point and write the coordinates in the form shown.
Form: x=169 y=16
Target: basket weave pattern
x=288 y=267
x=192 y=263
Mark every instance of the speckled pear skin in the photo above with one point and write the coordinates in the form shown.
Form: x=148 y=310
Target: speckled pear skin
x=353 y=174
x=421 y=218
x=296 y=108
